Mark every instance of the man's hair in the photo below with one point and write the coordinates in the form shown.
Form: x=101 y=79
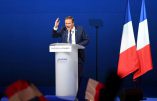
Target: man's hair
x=70 y=17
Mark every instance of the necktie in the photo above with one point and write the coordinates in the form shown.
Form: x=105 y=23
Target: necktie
x=70 y=37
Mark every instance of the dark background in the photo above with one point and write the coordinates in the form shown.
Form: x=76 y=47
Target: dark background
x=25 y=36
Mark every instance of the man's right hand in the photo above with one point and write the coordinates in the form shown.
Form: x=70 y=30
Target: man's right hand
x=57 y=23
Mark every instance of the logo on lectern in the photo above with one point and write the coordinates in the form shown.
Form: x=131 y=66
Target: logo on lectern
x=62 y=60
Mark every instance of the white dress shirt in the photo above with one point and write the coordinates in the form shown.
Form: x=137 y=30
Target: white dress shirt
x=73 y=36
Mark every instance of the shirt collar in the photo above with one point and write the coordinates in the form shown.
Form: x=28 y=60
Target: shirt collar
x=73 y=29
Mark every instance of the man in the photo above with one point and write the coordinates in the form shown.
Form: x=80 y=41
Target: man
x=74 y=35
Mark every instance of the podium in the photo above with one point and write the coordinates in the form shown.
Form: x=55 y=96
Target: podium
x=66 y=68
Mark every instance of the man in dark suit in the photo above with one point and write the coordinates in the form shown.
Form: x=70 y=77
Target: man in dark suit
x=74 y=35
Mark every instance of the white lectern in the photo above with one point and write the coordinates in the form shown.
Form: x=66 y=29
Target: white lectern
x=66 y=68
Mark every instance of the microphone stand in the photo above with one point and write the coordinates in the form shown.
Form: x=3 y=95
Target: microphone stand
x=96 y=23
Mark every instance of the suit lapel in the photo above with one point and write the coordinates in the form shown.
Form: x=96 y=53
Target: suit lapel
x=65 y=36
x=76 y=35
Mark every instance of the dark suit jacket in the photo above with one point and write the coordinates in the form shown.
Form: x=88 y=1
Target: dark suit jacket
x=80 y=38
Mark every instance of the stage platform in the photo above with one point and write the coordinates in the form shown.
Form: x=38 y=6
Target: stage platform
x=70 y=98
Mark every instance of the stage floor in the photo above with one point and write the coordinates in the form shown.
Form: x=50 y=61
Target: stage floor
x=54 y=98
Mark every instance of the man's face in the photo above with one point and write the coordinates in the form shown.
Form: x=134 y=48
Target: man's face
x=69 y=24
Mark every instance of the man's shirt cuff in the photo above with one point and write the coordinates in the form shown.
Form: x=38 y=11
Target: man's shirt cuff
x=55 y=28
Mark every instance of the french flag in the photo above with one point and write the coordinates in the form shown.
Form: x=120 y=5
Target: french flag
x=128 y=59
x=89 y=89
x=22 y=90
x=143 y=45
